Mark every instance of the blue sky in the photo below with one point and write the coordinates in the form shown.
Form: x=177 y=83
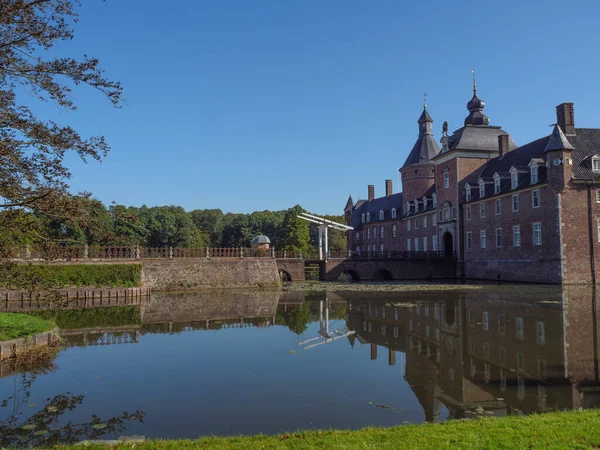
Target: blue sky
x=253 y=105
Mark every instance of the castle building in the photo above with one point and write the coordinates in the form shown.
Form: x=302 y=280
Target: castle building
x=506 y=212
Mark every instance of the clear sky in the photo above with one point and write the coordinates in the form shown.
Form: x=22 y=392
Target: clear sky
x=252 y=105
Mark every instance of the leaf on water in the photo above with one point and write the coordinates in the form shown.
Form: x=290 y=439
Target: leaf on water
x=28 y=427
x=369 y=403
x=52 y=408
x=99 y=426
x=500 y=399
x=40 y=432
x=385 y=406
x=291 y=352
x=32 y=405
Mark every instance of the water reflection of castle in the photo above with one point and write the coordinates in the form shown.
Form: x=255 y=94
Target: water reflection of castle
x=507 y=355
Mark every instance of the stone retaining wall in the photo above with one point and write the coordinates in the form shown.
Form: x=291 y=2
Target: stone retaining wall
x=10 y=349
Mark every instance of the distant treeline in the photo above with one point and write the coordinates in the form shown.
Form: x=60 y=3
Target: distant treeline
x=172 y=226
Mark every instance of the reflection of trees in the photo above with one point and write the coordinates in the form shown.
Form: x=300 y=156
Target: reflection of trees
x=41 y=429
x=295 y=317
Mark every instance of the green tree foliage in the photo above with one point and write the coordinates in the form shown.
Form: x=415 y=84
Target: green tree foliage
x=210 y=222
x=295 y=317
x=295 y=231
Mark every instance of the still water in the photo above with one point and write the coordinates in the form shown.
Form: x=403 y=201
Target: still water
x=228 y=363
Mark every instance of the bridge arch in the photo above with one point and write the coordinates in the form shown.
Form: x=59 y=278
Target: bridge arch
x=284 y=276
x=382 y=275
x=349 y=275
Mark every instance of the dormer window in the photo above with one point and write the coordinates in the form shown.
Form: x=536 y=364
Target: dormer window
x=514 y=180
x=497 y=185
x=381 y=215
x=368 y=217
x=481 y=189
x=596 y=163
x=468 y=192
x=434 y=200
x=407 y=207
x=362 y=218
x=534 y=174
x=424 y=203
x=393 y=213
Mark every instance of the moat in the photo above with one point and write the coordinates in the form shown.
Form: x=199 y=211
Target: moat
x=247 y=362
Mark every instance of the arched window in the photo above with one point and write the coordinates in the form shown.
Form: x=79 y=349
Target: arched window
x=434 y=200
x=368 y=217
x=381 y=214
x=362 y=218
x=468 y=192
x=393 y=213
x=424 y=203
x=481 y=189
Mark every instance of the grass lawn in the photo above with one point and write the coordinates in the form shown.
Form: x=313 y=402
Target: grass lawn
x=563 y=430
x=15 y=326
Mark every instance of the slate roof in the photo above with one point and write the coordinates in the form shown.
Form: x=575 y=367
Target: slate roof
x=518 y=158
x=478 y=138
x=374 y=206
x=558 y=141
x=587 y=144
x=261 y=239
x=426 y=146
x=349 y=204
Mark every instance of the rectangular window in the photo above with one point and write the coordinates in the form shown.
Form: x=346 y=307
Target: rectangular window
x=482 y=210
x=514 y=180
x=502 y=355
x=381 y=249
x=468 y=193
x=436 y=311
x=482 y=242
x=425 y=222
x=427 y=332
x=596 y=165
x=501 y=324
x=408 y=225
x=486 y=351
x=541 y=333
x=446 y=179
x=470 y=239
x=520 y=328
x=481 y=190
x=597 y=195
x=408 y=242
x=368 y=233
x=468 y=213
x=497 y=186
x=433 y=219
x=498 y=237
x=535 y=198
x=498 y=206
x=425 y=244
x=520 y=362
x=374 y=248
x=472 y=345
x=485 y=321
x=381 y=230
x=541 y=364
x=517 y=235
x=374 y=232
x=537 y=234
x=395 y=313
x=598 y=222
x=416 y=224
x=486 y=372
x=534 y=174
x=394 y=231
x=358 y=249
x=357 y=235
x=434 y=241
x=416 y=244
x=515 y=202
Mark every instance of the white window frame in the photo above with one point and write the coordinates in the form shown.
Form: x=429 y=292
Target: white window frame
x=482 y=210
x=368 y=217
x=597 y=195
x=517 y=236
x=381 y=214
x=434 y=200
x=540 y=332
x=468 y=213
x=381 y=249
x=485 y=321
x=382 y=232
x=358 y=235
x=498 y=206
x=470 y=239
x=394 y=231
x=425 y=222
x=596 y=164
x=408 y=225
x=434 y=220
x=468 y=192
x=501 y=324
x=520 y=328
x=537 y=235
x=482 y=239
x=535 y=194
x=368 y=233
x=416 y=244
x=446 y=179
x=497 y=185
x=424 y=243
x=434 y=241
x=408 y=245
x=534 y=174
x=514 y=180
x=481 y=190
x=499 y=238
x=515 y=203
x=393 y=213
x=363 y=218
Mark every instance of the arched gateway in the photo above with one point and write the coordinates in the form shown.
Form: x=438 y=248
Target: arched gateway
x=448 y=244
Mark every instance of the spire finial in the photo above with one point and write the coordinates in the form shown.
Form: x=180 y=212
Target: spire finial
x=474 y=82
x=425 y=100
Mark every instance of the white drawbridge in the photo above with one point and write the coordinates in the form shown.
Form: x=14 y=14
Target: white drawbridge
x=325 y=335
x=324 y=225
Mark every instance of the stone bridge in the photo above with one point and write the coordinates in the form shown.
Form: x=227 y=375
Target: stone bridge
x=371 y=269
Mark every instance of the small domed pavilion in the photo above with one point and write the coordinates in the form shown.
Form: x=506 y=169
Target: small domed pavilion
x=261 y=241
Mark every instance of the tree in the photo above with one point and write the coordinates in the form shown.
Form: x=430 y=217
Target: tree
x=32 y=151
x=209 y=221
x=295 y=235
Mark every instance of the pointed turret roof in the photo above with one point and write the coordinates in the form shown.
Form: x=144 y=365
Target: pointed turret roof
x=426 y=147
x=349 y=204
x=558 y=141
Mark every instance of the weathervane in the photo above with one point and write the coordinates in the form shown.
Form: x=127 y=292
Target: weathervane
x=474 y=82
x=425 y=100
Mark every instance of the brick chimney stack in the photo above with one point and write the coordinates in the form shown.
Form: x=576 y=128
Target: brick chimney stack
x=371 y=192
x=565 y=117
x=502 y=145
x=388 y=188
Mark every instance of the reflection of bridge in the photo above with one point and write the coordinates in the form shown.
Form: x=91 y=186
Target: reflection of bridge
x=84 y=337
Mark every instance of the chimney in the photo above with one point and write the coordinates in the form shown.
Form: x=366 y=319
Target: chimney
x=565 y=117
x=502 y=144
x=388 y=188
x=371 y=192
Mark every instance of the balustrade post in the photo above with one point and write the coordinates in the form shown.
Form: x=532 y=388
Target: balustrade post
x=27 y=252
x=284 y=254
x=207 y=253
x=241 y=252
x=137 y=252
x=170 y=252
x=86 y=252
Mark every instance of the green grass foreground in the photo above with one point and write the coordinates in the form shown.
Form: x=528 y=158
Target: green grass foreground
x=16 y=326
x=563 y=430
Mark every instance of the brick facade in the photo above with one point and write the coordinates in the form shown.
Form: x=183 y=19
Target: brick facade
x=552 y=238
